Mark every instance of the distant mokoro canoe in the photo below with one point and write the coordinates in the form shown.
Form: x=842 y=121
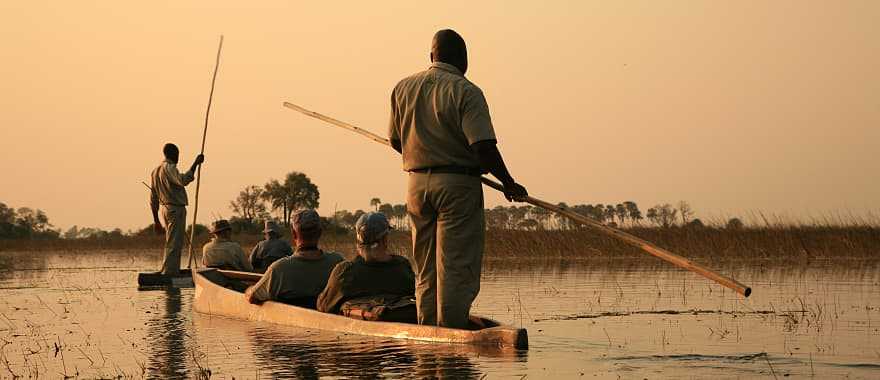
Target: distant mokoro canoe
x=212 y=297
x=150 y=280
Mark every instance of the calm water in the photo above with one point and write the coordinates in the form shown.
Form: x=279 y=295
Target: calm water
x=81 y=315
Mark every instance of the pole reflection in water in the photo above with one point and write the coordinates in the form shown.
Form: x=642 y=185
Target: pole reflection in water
x=166 y=334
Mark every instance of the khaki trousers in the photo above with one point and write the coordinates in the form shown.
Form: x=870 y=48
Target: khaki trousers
x=175 y=235
x=448 y=226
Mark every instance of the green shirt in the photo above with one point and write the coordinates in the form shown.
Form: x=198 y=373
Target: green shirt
x=295 y=277
x=359 y=278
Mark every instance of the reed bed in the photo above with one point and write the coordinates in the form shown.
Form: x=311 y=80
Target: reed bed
x=706 y=244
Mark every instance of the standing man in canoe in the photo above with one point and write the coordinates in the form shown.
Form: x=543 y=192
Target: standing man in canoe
x=440 y=124
x=169 y=191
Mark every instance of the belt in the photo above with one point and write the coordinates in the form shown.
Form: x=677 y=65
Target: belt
x=450 y=170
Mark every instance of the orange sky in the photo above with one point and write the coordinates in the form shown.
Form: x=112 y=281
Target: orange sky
x=733 y=106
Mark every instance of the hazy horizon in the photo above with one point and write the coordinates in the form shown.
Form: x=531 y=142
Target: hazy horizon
x=733 y=107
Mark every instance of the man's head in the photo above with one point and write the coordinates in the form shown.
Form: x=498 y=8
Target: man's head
x=305 y=228
x=271 y=230
x=221 y=229
x=448 y=47
x=372 y=235
x=171 y=152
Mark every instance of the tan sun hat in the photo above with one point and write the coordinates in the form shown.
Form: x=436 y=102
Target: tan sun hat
x=220 y=225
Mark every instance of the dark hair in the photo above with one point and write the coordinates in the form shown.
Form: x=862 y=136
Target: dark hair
x=170 y=150
x=449 y=47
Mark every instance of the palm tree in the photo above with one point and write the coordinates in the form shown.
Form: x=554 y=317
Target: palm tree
x=375 y=203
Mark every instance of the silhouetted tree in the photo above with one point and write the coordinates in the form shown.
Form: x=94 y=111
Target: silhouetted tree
x=734 y=224
x=296 y=192
x=662 y=215
x=250 y=204
x=685 y=211
x=635 y=215
x=621 y=212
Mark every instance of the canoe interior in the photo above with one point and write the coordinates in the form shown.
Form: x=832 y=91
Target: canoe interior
x=153 y=280
x=482 y=331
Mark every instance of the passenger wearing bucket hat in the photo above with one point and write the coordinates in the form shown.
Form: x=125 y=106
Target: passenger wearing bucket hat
x=223 y=253
x=299 y=278
x=375 y=277
x=270 y=249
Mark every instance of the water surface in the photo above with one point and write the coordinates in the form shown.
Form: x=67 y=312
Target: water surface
x=80 y=314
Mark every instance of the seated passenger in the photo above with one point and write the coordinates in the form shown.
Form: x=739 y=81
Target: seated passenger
x=375 y=281
x=297 y=279
x=223 y=253
x=272 y=248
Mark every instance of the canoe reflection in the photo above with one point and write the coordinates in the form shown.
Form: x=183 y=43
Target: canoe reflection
x=299 y=353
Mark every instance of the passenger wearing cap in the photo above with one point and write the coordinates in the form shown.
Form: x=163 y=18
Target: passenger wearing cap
x=271 y=249
x=375 y=281
x=299 y=278
x=223 y=253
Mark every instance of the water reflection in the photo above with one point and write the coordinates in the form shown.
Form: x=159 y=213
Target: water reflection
x=166 y=335
x=297 y=353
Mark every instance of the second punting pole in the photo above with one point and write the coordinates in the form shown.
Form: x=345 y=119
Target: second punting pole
x=644 y=245
x=192 y=233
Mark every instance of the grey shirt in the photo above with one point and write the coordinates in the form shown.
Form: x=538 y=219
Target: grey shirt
x=295 y=277
x=267 y=252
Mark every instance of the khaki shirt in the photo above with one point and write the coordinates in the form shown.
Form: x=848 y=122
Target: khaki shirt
x=437 y=115
x=225 y=254
x=168 y=185
x=295 y=277
x=359 y=278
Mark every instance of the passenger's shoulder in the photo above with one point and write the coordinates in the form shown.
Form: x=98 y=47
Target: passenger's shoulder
x=334 y=256
x=232 y=244
x=282 y=262
x=398 y=259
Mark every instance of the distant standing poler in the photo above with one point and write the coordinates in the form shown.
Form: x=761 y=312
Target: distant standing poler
x=270 y=249
x=169 y=191
x=440 y=124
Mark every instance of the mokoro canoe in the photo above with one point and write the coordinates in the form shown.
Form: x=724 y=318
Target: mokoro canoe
x=213 y=297
x=147 y=280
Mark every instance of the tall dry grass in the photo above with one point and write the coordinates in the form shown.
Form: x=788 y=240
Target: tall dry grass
x=792 y=243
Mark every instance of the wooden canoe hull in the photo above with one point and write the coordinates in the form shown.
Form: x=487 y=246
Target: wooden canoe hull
x=211 y=297
x=151 y=280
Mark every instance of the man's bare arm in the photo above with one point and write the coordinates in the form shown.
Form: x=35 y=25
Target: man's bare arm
x=491 y=161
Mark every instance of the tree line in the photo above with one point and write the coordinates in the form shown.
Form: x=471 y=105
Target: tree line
x=25 y=223
x=278 y=199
